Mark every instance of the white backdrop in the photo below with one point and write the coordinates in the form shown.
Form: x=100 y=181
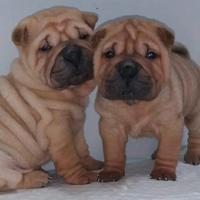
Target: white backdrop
x=181 y=15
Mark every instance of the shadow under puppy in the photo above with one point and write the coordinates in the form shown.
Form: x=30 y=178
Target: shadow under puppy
x=147 y=86
x=43 y=100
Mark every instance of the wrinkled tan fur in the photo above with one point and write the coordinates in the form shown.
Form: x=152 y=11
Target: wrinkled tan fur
x=38 y=123
x=177 y=101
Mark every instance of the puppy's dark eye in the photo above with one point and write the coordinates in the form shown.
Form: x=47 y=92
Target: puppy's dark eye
x=151 y=55
x=84 y=36
x=109 y=54
x=46 y=47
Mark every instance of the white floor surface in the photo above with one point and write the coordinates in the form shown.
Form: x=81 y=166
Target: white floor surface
x=136 y=185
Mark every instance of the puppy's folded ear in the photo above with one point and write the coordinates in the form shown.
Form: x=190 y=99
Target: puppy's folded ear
x=90 y=19
x=98 y=36
x=20 y=35
x=166 y=36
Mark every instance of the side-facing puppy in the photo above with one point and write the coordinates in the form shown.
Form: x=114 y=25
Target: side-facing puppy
x=147 y=86
x=43 y=100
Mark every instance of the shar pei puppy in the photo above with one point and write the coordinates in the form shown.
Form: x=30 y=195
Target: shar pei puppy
x=43 y=100
x=147 y=86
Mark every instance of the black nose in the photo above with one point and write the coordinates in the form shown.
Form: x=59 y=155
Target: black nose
x=128 y=69
x=72 y=54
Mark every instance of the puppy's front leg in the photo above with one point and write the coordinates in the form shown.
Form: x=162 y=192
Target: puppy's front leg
x=87 y=160
x=167 y=153
x=63 y=152
x=114 y=142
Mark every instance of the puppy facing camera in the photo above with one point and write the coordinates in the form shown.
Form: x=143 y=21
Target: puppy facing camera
x=43 y=100
x=147 y=86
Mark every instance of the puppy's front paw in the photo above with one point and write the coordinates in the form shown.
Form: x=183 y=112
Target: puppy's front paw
x=109 y=176
x=163 y=174
x=192 y=157
x=82 y=179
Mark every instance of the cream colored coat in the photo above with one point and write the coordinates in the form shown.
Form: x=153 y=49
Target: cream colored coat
x=38 y=123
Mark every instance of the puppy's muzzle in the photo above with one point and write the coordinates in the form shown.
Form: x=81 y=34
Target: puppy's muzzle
x=128 y=81
x=73 y=66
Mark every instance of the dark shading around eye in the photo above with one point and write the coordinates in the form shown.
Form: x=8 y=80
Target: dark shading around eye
x=151 y=55
x=84 y=36
x=110 y=54
x=46 y=47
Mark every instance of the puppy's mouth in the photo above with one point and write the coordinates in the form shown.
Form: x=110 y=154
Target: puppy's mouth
x=129 y=82
x=72 y=67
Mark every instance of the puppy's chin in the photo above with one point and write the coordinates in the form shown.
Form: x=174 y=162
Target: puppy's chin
x=73 y=81
x=128 y=96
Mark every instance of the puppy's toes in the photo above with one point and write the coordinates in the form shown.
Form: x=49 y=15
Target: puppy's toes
x=82 y=178
x=3 y=185
x=163 y=174
x=35 y=179
x=92 y=176
x=109 y=176
x=192 y=157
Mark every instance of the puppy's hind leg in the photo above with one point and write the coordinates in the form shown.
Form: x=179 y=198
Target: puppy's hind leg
x=9 y=179
x=192 y=155
x=34 y=179
x=3 y=185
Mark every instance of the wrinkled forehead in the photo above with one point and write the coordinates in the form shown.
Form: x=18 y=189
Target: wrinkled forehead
x=132 y=31
x=57 y=18
x=139 y=24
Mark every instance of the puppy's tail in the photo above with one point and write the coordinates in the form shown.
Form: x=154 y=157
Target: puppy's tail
x=181 y=50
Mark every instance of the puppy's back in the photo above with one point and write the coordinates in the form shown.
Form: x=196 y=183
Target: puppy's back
x=181 y=50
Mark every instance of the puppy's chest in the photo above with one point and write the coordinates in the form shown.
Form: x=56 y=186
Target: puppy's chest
x=142 y=129
x=139 y=124
x=137 y=127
